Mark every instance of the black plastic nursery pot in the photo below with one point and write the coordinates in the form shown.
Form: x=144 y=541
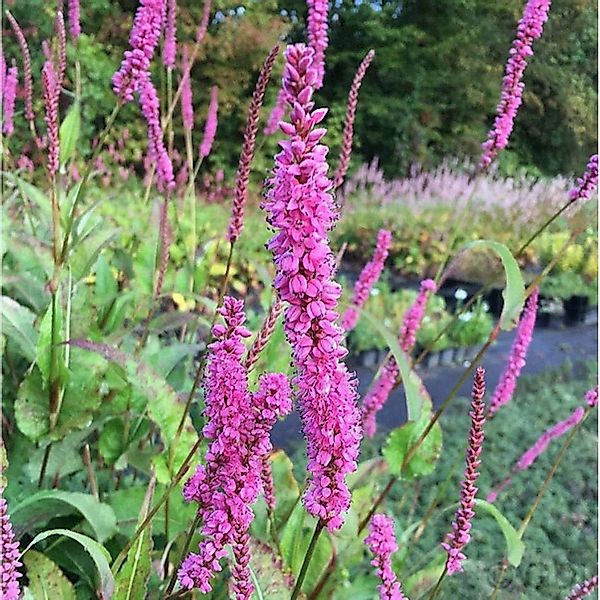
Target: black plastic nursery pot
x=575 y=309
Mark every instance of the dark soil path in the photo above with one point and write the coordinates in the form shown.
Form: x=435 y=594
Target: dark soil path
x=550 y=348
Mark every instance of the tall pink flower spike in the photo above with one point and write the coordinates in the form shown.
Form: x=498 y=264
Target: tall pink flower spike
x=459 y=537
x=587 y=184
x=377 y=396
x=529 y=29
x=381 y=541
x=210 y=127
x=300 y=208
x=516 y=361
x=10 y=555
x=74 y=25
x=8 y=100
x=367 y=279
x=317 y=36
x=170 y=43
x=237 y=427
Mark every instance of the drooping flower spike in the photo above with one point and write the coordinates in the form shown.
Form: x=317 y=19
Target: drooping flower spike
x=529 y=29
x=367 y=279
x=237 y=427
x=459 y=537
x=317 y=36
x=381 y=541
x=516 y=361
x=351 y=107
x=301 y=210
x=10 y=562
x=583 y=590
x=240 y=196
x=377 y=396
x=9 y=99
x=210 y=128
x=587 y=184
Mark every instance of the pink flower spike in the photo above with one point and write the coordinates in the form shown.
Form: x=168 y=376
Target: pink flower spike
x=143 y=39
x=583 y=590
x=529 y=29
x=49 y=85
x=187 y=107
x=74 y=26
x=381 y=541
x=210 y=128
x=10 y=557
x=300 y=208
x=170 y=42
x=591 y=397
x=9 y=98
x=317 y=36
x=203 y=28
x=516 y=361
x=587 y=184
x=27 y=76
x=377 y=396
x=367 y=279
x=456 y=541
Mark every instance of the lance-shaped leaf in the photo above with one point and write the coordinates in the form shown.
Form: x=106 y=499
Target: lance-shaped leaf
x=46 y=580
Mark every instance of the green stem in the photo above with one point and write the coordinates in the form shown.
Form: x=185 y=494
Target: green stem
x=184 y=551
x=309 y=552
x=438 y=585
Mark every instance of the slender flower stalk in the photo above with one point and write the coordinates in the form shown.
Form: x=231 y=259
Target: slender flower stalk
x=317 y=35
x=529 y=29
x=377 y=396
x=8 y=100
x=157 y=152
x=300 y=208
x=170 y=43
x=203 y=27
x=74 y=25
x=10 y=557
x=459 y=537
x=143 y=39
x=210 y=128
x=49 y=85
x=583 y=590
x=187 y=107
x=351 y=106
x=26 y=58
x=516 y=361
x=587 y=184
x=367 y=279
x=265 y=333
x=238 y=424
x=240 y=196
x=277 y=113
x=381 y=541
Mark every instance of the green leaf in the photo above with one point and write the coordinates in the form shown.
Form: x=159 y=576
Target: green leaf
x=44 y=505
x=269 y=579
x=111 y=443
x=287 y=489
x=106 y=284
x=46 y=580
x=132 y=579
x=515 y=548
x=98 y=553
x=423 y=580
x=36 y=196
x=44 y=343
x=417 y=398
x=17 y=325
x=69 y=132
x=291 y=538
x=403 y=438
x=514 y=293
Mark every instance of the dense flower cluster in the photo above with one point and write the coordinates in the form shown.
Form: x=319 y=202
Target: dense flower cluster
x=351 y=107
x=74 y=25
x=210 y=127
x=10 y=555
x=143 y=39
x=377 y=396
x=516 y=361
x=240 y=196
x=27 y=75
x=187 y=106
x=301 y=209
x=8 y=100
x=381 y=541
x=591 y=397
x=460 y=536
x=367 y=279
x=530 y=28
x=587 y=183
x=170 y=41
x=49 y=88
x=156 y=148
x=582 y=590
x=237 y=427
x=317 y=36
